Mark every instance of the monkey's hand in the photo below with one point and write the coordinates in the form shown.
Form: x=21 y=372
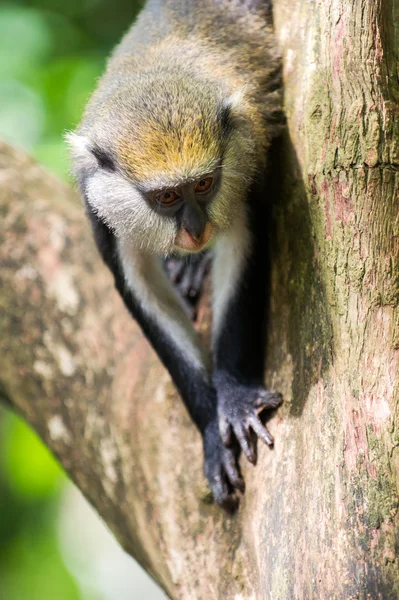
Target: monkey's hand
x=221 y=469
x=238 y=409
x=187 y=274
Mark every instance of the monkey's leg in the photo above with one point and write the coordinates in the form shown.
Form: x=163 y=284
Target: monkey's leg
x=239 y=294
x=152 y=301
x=187 y=274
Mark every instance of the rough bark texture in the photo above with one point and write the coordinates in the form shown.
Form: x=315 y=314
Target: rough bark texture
x=320 y=516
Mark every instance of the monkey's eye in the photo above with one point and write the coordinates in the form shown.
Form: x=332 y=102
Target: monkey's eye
x=167 y=197
x=203 y=185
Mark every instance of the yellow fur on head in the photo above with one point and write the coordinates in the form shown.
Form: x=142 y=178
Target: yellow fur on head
x=167 y=129
x=177 y=151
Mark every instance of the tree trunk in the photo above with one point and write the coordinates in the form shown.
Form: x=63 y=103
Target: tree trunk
x=319 y=519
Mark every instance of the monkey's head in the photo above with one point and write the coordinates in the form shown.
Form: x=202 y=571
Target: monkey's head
x=167 y=163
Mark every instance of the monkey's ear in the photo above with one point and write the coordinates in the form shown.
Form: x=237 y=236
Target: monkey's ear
x=232 y=107
x=81 y=151
x=235 y=101
x=87 y=155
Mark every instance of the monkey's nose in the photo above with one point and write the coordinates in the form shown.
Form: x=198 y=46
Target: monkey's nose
x=194 y=242
x=194 y=222
x=201 y=237
x=197 y=237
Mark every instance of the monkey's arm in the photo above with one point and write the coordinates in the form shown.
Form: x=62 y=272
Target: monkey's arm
x=239 y=288
x=151 y=300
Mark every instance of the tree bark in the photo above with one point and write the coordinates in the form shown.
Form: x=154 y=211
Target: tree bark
x=319 y=519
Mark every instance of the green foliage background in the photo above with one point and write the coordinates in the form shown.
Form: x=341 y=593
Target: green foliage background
x=51 y=53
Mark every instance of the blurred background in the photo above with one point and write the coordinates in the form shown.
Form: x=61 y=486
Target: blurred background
x=52 y=544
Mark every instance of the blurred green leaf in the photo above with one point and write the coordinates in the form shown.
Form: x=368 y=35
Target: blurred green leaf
x=81 y=85
x=22 y=114
x=31 y=470
x=25 y=40
x=65 y=86
x=33 y=569
x=52 y=152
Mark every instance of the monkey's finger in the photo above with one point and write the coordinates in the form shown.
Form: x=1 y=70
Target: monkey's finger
x=230 y=465
x=267 y=399
x=202 y=271
x=222 y=495
x=225 y=431
x=245 y=442
x=189 y=309
x=230 y=503
x=185 y=284
x=174 y=268
x=261 y=431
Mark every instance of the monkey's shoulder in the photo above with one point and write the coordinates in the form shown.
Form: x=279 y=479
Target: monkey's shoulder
x=239 y=32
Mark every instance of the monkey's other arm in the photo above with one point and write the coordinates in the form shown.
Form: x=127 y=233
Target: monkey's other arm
x=239 y=309
x=151 y=300
x=187 y=274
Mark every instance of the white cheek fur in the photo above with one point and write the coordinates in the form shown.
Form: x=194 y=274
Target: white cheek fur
x=126 y=212
x=119 y=204
x=147 y=280
x=79 y=149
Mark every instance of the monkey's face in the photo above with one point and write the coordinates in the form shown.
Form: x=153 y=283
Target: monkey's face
x=170 y=176
x=188 y=205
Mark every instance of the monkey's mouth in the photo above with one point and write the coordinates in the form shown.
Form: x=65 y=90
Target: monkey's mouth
x=186 y=241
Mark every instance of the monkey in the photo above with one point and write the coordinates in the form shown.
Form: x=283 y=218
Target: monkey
x=170 y=158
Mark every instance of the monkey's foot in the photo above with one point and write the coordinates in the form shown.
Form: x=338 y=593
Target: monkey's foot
x=238 y=409
x=221 y=469
x=187 y=273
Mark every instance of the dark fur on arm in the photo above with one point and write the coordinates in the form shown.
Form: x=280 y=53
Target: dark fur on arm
x=198 y=394
x=239 y=350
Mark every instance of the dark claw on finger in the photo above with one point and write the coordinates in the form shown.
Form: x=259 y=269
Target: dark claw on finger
x=245 y=442
x=221 y=468
x=261 y=430
x=229 y=503
x=222 y=495
x=233 y=474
